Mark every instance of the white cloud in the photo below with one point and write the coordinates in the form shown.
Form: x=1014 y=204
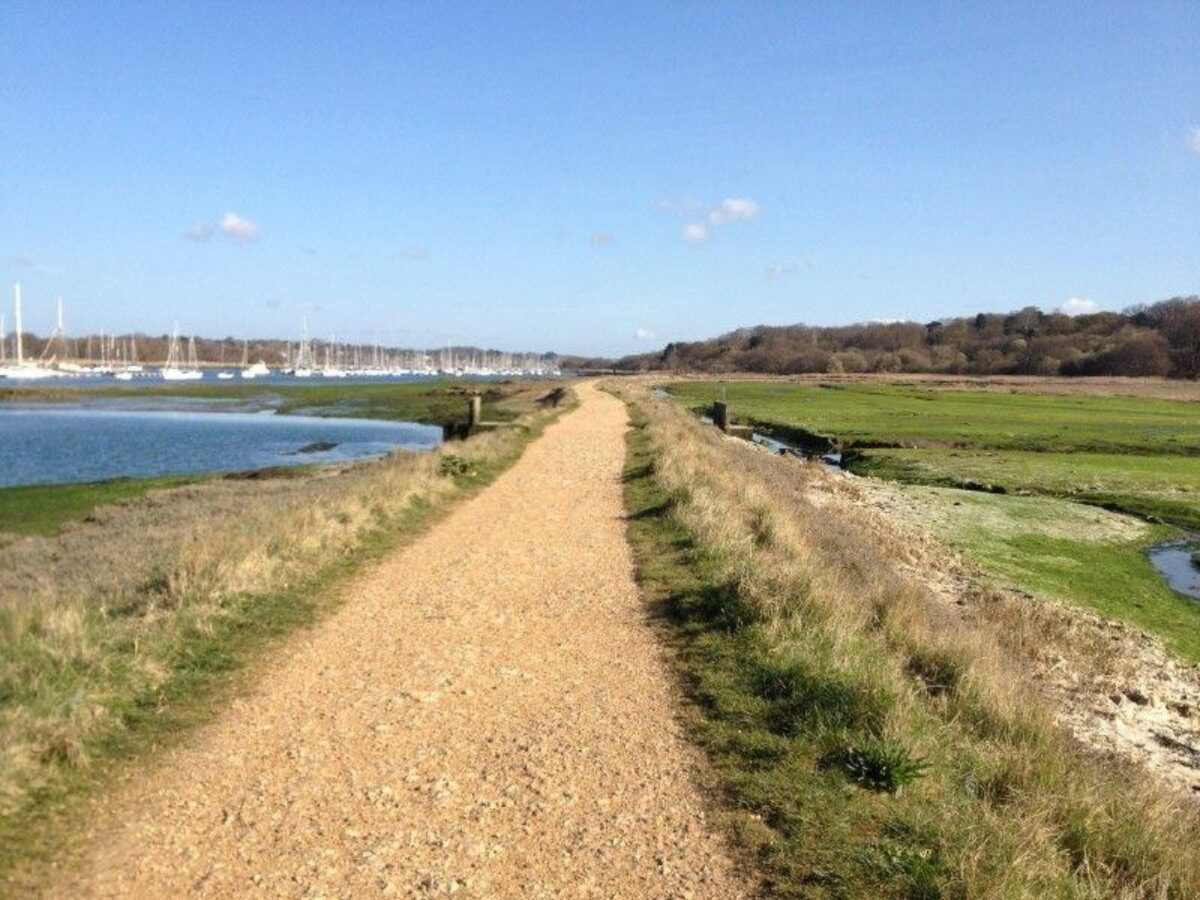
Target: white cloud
x=602 y=239
x=1193 y=140
x=1078 y=306
x=728 y=211
x=734 y=209
x=645 y=334
x=784 y=270
x=695 y=232
x=234 y=227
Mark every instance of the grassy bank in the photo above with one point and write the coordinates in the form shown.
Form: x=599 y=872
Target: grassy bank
x=44 y=508
x=1054 y=548
x=871 y=744
x=904 y=415
x=120 y=633
x=996 y=444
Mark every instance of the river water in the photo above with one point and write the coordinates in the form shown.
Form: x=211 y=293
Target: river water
x=51 y=443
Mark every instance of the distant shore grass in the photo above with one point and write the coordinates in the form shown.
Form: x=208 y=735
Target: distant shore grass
x=44 y=508
x=109 y=658
x=867 y=744
x=441 y=402
x=902 y=415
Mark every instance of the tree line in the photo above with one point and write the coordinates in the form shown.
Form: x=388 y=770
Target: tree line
x=1159 y=339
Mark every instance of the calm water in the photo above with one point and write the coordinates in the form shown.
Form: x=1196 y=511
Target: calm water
x=42 y=444
x=1174 y=563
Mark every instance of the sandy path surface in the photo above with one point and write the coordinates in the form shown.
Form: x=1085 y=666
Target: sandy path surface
x=487 y=716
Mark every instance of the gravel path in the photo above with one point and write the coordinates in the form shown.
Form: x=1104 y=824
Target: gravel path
x=487 y=716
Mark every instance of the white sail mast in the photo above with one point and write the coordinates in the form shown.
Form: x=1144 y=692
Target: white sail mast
x=17 y=315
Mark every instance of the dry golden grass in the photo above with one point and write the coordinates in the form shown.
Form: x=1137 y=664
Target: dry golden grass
x=812 y=640
x=96 y=621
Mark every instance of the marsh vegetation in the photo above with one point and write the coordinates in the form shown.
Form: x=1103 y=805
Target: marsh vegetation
x=1029 y=477
x=873 y=738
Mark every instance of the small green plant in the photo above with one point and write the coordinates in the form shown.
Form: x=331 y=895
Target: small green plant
x=880 y=765
x=452 y=466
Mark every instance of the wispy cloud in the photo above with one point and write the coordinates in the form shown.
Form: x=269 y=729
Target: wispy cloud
x=786 y=270
x=734 y=209
x=20 y=261
x=645 y=334
x=601 y=239
x=238 y=229
x=1193 y=140
x=201 y=231
x=1079 y=306
x=231 y=226
x=728 y=211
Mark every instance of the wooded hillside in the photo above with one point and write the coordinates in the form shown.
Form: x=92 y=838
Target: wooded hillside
x=1158 y=339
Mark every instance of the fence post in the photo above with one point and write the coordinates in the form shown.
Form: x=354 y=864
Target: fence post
x=474 y=412
x=721 y=415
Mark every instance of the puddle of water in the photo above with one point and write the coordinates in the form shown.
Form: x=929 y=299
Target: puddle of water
x=833 y=460
x=1173 y=561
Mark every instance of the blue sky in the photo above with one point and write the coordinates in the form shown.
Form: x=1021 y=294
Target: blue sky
x=591 y=177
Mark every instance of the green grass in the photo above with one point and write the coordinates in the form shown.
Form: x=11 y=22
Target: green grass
x=430 y=402
x=42 y=509
x=1134 y=455
x=1054 y=548
x=896 y=415
x=1162 y=487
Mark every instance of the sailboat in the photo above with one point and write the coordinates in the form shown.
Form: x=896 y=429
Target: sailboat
x=23 y=370
x=172 y=370
x=224 y=374
x=303 y=367
x=332 y=369
x=255 y=371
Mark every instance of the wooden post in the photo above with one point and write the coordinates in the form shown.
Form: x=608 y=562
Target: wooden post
x=721 y=415
x=474 y=412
